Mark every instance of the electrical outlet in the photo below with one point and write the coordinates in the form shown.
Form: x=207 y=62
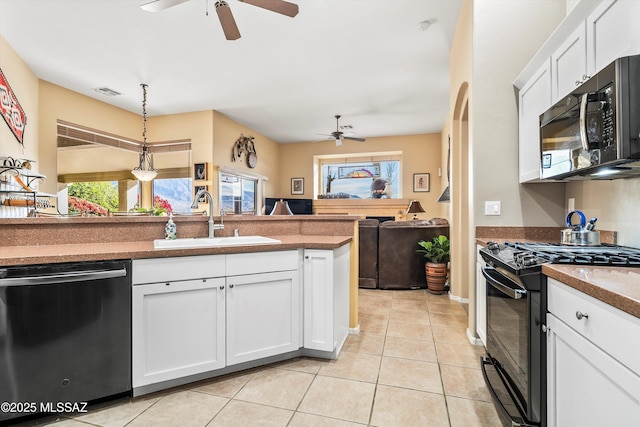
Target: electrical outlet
x=492 y=207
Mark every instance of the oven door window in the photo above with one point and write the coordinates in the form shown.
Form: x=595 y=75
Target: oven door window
x=507 y=328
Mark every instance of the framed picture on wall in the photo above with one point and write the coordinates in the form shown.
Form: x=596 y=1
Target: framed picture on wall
x=200 y=172
x=421 y=182
x=197 y=188
x=297 y=185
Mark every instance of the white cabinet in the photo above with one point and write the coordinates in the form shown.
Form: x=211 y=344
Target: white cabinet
x=592 y=36
x=263 y=315
x=178 y=326
x=593 y=361
x=326 y=299
x=194 y=315
x=534 y=98
x=481 y=299
x=569 y=64
x=612 y=32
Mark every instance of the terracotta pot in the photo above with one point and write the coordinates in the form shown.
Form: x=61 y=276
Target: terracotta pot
x=436 y=276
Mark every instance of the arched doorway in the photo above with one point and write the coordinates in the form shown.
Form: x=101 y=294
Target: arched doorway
x=462 y=247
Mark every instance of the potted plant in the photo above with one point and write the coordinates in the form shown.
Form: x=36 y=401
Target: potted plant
x=437 y=254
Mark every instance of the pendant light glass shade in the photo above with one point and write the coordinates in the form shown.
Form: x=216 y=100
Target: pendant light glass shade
x=145 y=170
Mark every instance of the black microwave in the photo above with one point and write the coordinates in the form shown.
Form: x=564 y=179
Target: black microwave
x=594 y=132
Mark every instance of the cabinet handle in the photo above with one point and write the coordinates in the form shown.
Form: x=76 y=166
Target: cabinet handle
x=230 y=286
x=306 y=257
x=580 y=315
x=221 y=287
x=578 y=82
x=585 y=77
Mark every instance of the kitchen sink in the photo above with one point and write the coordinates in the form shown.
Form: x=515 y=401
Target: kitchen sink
x=213 y=242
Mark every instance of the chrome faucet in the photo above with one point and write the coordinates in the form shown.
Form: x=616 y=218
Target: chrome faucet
x=209 y=197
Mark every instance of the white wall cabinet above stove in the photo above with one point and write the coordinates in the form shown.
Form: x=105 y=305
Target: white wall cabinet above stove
x=590 y=38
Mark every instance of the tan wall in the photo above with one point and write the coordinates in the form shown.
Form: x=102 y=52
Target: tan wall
x=60 y=103
x=506 y=35
x=420 y=154
x=225 y=133
x=25 y=87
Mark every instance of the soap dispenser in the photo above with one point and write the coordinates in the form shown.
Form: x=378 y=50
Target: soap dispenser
x=170 y=229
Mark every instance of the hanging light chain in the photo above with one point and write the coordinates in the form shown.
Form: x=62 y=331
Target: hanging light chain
x=144 y=114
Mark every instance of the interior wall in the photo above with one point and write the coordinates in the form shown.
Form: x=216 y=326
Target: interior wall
x=56 y=103
x=225 y=133
x=25 y=87
x=615 y=203
x=420 y=154
x=506 y=35
x=460 y=94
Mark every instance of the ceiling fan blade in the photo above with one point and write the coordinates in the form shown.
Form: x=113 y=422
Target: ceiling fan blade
x=158 y=5
x=229 y=26
x=354 y=139
x=278 y=6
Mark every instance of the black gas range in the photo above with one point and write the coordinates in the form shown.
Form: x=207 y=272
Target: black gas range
x=526 y=258
x=515 y=365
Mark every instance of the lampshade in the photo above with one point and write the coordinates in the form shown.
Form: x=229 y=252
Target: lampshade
x=445 y=197
x=145 y=170
x=415 y=208
x=281 y=208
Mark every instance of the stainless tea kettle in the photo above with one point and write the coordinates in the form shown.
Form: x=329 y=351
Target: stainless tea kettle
x=582 y=234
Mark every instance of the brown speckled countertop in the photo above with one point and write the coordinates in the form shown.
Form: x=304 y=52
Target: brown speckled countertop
x=43 y=254
x=616 y=286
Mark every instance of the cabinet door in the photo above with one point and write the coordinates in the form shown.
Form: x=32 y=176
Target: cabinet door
x=178 y=329
x=318 y=300
x=534 y=99
x=611 y=33
x=586 y=386
x=569 y=64
x=263 y=315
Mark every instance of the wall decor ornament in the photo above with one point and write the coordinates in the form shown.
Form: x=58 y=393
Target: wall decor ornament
x=245 y=145
x=202 y=198
x=421 y=182
x=11 y=111
x=200 y=171
x=297 y=185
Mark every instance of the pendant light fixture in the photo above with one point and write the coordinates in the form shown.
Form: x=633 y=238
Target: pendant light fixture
x=145 y=170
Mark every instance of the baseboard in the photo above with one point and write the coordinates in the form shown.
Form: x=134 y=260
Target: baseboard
x=472 y=339
x=458 y=299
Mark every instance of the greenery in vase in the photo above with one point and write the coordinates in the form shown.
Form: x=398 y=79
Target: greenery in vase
x=436 y=250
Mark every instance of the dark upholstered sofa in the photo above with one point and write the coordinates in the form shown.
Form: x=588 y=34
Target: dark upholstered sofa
x=398 y=264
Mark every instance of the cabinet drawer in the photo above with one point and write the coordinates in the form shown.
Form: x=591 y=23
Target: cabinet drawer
x=261 y=262
x=172 y=269
x=614 y=331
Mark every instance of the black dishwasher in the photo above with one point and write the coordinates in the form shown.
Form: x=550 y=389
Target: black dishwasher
x=65 y=335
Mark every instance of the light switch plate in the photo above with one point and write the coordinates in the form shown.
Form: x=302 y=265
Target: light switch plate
x=492 y=207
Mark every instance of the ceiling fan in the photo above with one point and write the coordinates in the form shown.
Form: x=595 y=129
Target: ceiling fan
x=223 y=10
x=339 y=136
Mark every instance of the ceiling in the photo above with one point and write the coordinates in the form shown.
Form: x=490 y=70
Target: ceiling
x=285 y=77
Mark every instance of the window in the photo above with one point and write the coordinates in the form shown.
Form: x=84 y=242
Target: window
x=357 y=179
x=238 y=194
x=176 y=192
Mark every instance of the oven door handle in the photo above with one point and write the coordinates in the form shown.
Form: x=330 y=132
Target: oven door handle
x=493 y=276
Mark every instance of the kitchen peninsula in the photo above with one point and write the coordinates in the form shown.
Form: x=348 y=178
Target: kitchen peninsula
x=206 y=311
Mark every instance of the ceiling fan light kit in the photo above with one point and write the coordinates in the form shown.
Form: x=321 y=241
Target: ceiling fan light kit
x=223 y=10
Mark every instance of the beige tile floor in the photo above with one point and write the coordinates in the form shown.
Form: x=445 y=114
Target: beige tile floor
x=410 y=366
